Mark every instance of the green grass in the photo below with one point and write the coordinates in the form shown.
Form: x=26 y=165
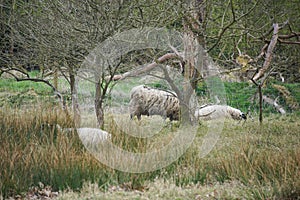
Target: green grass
x=23 y=86
x=22 y=93
x=239 y=95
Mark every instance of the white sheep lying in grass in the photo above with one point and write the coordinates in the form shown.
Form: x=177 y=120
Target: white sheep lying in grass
x=209 y=112
x=88 y=136
x=92 y=136
x=149 y=101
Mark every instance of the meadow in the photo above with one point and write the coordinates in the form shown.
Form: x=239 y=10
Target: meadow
x=249 y=161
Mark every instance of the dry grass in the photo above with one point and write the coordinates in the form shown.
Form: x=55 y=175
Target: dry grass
x=249 y=161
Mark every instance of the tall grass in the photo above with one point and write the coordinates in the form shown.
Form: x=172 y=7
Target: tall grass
x=265 y=159
x=32 y=152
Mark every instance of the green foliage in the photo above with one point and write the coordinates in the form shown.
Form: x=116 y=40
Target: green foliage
x=239 y=95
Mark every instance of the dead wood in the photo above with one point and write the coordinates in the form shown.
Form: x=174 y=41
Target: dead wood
x=274 y=103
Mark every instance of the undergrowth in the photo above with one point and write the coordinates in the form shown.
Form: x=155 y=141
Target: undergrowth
x=258 y=161
x=33 y=149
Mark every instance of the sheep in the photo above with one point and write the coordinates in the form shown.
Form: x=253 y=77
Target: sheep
x=88 y=136
x=149 y=101
x=208 y=112
x=92 y=136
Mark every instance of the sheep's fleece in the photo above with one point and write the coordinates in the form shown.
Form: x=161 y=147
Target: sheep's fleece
x=149 y=101
x=208 y=112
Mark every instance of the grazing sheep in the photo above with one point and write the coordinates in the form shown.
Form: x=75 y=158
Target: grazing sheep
x=149 y=101
x=208 y=112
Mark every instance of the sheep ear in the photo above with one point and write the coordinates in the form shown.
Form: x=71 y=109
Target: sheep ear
x=244 y=116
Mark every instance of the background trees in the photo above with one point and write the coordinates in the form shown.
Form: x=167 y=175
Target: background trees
x=55 y=36
x=232 y=31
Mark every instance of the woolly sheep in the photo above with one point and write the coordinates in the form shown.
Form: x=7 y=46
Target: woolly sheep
x=88 y=136
x=92 y=136
x=149 y=101
x=208 y=112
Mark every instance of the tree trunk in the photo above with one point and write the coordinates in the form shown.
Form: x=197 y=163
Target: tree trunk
x=189 y=71
x=262 y=73
x=55 y=78
x=99 y=104
x=260 y=104
x=192 y=38
x=75 y=105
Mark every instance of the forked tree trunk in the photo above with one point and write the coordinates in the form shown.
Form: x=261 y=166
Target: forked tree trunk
x=191 y=43
x=263 y=72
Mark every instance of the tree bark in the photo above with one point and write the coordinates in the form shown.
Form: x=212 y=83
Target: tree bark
x=193 y=37
x=262 y=73
x=99 y=103
x=75 y=104
x=260 y=104
x=269 y=53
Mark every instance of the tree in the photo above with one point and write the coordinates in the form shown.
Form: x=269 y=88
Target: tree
x=56 y=36
x=245 y=26
x=59 y=34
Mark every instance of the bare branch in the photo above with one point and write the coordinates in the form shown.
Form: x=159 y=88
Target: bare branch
x=269 y=53
x=143 y=69
x=262 y=52
x=289 y=36
x=288 y=42
x=234 y=20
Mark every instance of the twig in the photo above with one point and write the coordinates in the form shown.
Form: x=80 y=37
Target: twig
x=223 y=30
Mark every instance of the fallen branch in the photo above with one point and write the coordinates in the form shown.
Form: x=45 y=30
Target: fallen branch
x=274 y=103
x=262 y=53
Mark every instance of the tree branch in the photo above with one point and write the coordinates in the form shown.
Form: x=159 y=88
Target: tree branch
x=143 y=69
x=18 y=79
x=223 y=30
x=269 y=53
